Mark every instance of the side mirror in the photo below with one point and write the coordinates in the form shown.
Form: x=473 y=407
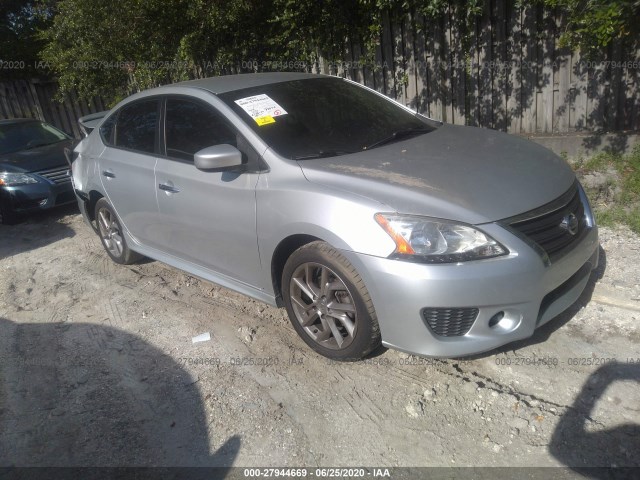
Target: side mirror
x=217 y=157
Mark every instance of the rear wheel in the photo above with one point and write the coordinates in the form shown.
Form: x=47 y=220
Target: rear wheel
x=111 y=234
x=328 y=303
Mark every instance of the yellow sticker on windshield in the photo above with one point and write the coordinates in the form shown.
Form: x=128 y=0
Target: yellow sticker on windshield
x=265 y=120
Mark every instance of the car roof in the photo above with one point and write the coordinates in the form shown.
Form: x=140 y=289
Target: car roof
x=221 y=84
x=229 y=83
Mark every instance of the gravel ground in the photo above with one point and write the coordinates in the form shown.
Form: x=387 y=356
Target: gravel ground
x=98 y=368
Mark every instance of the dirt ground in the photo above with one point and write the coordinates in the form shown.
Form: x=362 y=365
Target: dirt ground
x=98 y=368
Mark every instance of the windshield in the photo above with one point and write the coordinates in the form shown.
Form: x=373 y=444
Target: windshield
x=320 y=117
x=26 y=135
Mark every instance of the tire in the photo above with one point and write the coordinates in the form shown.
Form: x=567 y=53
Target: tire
x=338 y=320
x=111 y=236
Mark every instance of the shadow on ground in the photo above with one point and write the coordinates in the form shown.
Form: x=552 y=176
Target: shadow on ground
x=77 y=395
x=35 y=231
x=574 y=443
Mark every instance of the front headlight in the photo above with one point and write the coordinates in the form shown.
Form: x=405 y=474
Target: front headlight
x=420 y=239
x=12 y=179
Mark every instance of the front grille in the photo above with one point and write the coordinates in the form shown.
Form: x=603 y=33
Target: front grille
x=449 y=322
x=56 y=175
x=543 y=225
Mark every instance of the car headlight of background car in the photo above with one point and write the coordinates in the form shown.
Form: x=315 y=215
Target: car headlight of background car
x=13 y=179
x=419 y=239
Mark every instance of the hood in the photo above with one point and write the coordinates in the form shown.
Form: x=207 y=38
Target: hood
x=35 y=159
x=466 y=174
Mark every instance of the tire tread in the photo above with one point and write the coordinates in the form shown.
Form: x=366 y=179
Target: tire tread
x=334 y=255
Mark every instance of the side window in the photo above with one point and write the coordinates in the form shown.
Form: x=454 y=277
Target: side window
x=136 y=126
x=106 y=130
x=190 y=127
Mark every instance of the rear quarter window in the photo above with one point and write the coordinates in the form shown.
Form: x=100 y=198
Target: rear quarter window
x=136 y=127
x=107 y=129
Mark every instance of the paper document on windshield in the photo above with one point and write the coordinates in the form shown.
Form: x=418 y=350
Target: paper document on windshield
x=261 y=108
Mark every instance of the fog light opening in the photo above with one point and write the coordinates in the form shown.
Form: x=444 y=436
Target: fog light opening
x=495 y=320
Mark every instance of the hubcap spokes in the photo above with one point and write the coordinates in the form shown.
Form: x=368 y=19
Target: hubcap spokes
x=323 y=306
x=110 y=232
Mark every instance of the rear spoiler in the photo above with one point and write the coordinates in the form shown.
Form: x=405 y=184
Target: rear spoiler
x=89 y=122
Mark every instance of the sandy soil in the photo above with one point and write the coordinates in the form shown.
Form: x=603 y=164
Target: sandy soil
x=98 y=368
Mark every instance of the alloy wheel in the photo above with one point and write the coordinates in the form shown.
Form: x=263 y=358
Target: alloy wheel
x=110 y=232
x=323 y=305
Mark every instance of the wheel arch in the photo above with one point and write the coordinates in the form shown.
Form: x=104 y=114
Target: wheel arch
x=281 y=254
x=90 y=206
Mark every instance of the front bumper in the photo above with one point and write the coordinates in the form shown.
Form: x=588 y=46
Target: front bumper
x=36 y=196
x=529 y=293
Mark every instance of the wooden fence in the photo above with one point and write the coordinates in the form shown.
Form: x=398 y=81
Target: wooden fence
x=506 y=72
x=36 y=99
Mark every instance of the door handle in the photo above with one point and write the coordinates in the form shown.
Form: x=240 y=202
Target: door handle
x=108 y=174
x=168 y=188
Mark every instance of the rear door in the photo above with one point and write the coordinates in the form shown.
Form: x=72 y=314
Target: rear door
x=126 y=166
x=207 y=217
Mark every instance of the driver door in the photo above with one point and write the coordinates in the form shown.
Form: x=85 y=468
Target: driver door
x=206 y=217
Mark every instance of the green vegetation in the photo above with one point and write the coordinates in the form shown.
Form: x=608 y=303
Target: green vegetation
x=612 y=183
x=20 y=22
x=111 y=48
x=115 y=47
x=593 y=24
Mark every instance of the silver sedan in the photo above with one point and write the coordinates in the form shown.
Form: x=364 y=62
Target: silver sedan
x=371 y=224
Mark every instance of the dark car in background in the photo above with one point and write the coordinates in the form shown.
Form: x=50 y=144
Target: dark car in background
x=34 y=174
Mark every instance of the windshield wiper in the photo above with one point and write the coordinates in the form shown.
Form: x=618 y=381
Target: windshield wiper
x=321 y=154
x=397 y=135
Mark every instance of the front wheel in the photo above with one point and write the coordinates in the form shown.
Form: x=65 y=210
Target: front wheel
x=328 y=303
x=112 y=235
